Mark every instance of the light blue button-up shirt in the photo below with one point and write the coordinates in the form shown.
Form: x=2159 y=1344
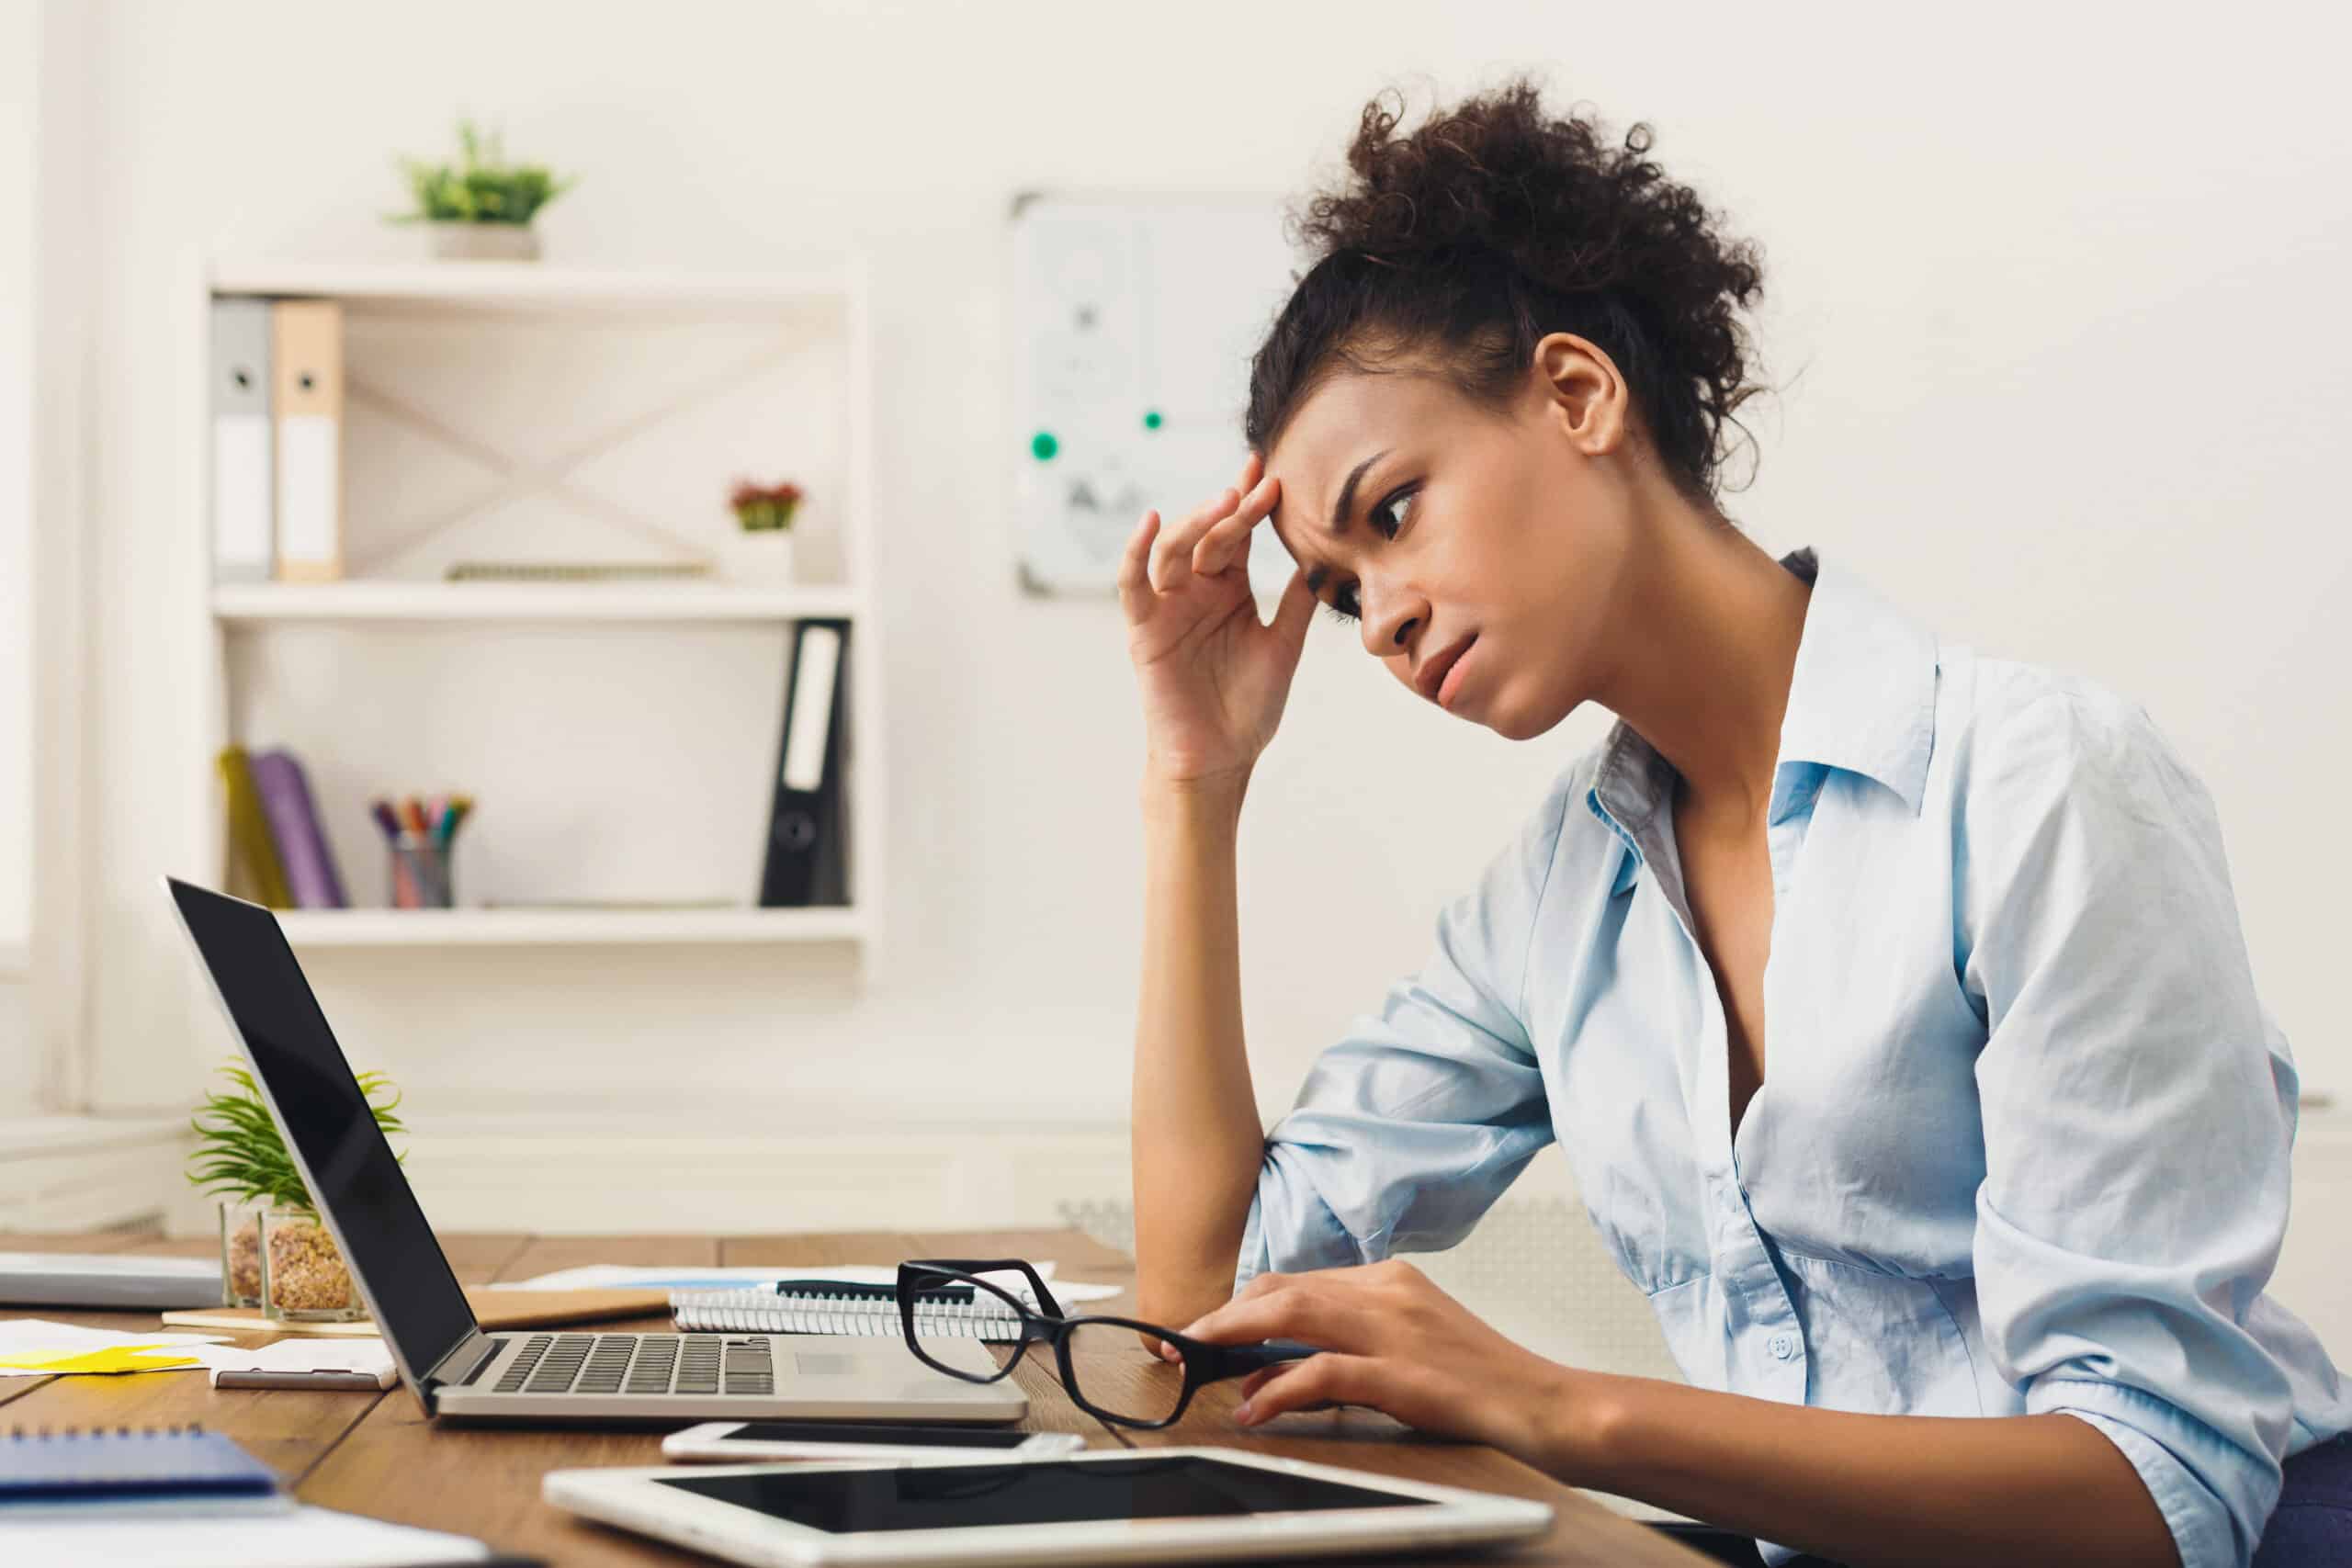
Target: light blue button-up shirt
x=2022 y=1140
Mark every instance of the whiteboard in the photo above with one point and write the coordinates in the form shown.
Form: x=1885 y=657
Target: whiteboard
x=1134 y=318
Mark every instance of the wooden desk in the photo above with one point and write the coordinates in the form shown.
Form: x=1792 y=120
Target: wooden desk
x=375 y=1454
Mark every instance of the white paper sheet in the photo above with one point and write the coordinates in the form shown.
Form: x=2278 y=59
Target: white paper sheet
x=29 y=1336
x=302 y=1537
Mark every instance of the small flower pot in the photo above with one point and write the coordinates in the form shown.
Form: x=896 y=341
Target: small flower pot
x=483 y=241
x=763 y=555
x=303 y=1278
x=241 y=1254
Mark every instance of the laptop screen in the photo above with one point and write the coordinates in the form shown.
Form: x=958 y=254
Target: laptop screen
x=335 y=1140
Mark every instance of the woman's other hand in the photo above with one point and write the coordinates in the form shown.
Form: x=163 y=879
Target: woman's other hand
x=1212 y=678
x=1394 y=1342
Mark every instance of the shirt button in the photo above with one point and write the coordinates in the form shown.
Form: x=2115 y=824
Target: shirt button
x=1782 y=1346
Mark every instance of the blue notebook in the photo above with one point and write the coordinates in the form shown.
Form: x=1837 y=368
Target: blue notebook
x=183 y=1466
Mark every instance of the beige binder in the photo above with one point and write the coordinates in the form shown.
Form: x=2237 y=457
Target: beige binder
x=306 y=344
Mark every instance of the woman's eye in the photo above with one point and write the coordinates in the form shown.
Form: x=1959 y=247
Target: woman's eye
x=1389 y=515
x=1342 y=607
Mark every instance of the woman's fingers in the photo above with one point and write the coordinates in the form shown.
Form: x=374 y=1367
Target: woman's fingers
x=1134 y=588
x=1288 y=1309
x=1264 y=1375
x=1228 y=536
x=1171 y=556
x=1322 y=1379
x=1206 y=542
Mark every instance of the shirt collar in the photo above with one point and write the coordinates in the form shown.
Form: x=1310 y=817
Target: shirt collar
x=1863 y=696
x=1862 y=699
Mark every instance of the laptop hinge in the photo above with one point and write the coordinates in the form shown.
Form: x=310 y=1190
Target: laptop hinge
x=460 y=1366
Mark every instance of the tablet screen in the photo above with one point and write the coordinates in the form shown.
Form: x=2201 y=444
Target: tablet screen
x=967 y=1496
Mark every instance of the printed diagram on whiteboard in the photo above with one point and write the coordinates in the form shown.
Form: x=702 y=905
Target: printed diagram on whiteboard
x=1133 y=324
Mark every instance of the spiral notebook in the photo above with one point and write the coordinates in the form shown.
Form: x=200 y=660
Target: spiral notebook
x=833 y=1306
x=179 y=1467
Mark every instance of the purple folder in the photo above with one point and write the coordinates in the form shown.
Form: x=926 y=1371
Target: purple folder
x=302 y=848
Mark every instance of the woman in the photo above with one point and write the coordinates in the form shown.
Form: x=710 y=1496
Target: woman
x=2000 y=1131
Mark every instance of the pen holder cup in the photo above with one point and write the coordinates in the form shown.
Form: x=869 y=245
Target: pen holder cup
x=420 y=874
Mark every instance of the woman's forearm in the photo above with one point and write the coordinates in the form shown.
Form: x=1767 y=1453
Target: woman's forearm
x=1197 y=1141
x=1863 y=1490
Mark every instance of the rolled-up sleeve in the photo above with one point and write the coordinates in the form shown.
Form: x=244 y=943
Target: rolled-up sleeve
x=2138 y=1110
x=1411 y=1125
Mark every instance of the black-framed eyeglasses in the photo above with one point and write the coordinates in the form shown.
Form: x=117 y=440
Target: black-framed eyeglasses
x=941 y=1298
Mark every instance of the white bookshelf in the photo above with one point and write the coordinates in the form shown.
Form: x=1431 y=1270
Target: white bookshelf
x=259 y=643
x=510 y=601
x=527 y=285
x=309 y=929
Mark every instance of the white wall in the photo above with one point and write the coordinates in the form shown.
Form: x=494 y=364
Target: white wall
x=2067 y=376
x=19 y=119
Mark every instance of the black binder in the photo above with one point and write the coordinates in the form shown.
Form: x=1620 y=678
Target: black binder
x=807 y=849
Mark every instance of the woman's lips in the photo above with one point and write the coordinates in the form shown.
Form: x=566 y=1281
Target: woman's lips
x=1450 y=688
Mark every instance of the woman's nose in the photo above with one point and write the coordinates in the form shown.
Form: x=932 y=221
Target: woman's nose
x=1389 y=623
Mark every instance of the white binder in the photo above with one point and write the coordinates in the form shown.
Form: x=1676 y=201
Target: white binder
x=306 y=345
x=244 y=474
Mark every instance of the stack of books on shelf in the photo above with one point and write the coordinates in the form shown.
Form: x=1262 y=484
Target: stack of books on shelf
x=278 y=852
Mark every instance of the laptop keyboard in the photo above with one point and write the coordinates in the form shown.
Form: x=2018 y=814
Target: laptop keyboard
x=639 y=1363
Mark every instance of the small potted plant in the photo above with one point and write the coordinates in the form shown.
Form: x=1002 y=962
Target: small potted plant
x=480 y=208
x=275 y=1252
x=763 y=530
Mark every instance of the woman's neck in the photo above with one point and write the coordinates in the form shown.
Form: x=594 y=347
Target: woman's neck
x=1710 y=626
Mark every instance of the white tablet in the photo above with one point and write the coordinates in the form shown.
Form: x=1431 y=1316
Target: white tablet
x=1113 y=1506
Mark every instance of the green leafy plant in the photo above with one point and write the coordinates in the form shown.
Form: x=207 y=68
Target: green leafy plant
x=480 y=187
x=239 y=1153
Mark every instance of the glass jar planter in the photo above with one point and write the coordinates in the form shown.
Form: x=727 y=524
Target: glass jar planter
x=241 y=1254
x=303 y=1279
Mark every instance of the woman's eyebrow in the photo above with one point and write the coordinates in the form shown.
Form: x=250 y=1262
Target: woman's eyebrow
x=1318 y=576
x=1346 y=504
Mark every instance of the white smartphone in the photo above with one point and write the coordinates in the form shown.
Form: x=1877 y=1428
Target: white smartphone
x=742 y=1442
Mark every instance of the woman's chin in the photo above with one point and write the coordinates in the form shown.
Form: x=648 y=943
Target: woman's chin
x=1523 y=720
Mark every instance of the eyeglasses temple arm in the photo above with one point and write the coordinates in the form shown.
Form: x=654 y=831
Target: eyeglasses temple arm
x=1234 y=1360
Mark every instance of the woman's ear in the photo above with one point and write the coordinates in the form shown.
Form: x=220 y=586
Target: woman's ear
x=1582 y=391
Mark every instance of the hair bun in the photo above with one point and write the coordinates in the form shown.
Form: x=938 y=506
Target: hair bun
x=1430 y=220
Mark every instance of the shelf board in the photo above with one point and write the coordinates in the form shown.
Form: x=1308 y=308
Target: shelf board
x=528 y=285
x=527 y=602
x=564 y=926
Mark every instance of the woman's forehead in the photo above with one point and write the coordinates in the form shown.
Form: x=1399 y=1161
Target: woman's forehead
x=1351 y=416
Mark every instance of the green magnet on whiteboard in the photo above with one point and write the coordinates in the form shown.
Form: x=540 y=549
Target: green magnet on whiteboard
x=1151 y=418
x=1043 y=446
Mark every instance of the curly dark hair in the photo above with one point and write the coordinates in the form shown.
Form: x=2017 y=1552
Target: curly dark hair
x=1493 y=224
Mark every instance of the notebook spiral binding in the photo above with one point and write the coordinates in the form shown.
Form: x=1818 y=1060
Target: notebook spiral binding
x=50 y=1468
x=860 y=1316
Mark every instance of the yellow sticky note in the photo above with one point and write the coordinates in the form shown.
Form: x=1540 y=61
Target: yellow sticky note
x=112 y=1358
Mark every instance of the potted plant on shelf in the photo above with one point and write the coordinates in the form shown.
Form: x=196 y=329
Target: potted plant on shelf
x=481 y=208
x=275 y=1252
x=763 y=551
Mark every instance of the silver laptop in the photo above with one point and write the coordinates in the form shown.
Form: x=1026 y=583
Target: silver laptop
x=455 y=1369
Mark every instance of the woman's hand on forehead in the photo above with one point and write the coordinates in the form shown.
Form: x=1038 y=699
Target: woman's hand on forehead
x=1226 y=539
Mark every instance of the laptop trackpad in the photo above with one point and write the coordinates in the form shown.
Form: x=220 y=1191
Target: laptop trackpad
x=823 y=1363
